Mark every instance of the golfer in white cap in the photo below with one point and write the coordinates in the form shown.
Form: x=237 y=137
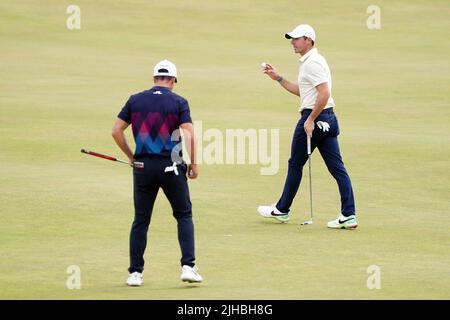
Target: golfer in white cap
x=157 y=116
x=317 y=121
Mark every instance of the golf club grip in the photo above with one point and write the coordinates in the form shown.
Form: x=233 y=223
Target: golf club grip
x=95 y=154
x=309 y=144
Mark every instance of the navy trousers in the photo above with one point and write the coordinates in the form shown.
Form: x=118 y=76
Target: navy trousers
x=328 y=146
x=147 y=182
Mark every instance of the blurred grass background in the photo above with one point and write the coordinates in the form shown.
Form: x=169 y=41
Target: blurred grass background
x=61 y=91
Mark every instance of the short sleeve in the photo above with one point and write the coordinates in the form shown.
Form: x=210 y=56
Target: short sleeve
x=185 y=113
x=315 y=73
x=125 y=113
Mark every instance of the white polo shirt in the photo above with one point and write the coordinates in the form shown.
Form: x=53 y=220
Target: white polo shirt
x=314 y=70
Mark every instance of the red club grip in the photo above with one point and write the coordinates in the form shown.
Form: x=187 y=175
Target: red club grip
x=92 y=153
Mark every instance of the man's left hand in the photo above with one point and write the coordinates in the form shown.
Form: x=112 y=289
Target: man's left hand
x=309 y=127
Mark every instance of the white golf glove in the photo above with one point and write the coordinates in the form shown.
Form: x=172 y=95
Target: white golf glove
x=324 y=126
x=173 y=168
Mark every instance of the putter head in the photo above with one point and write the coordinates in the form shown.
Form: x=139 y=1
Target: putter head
x=307 y=222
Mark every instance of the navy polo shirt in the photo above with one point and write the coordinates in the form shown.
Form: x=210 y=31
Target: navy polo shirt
x=154 y=116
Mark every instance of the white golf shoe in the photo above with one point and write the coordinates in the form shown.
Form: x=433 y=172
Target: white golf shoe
x=343 y=222
x=135 y=279
x=273 y=212
x=190 y=274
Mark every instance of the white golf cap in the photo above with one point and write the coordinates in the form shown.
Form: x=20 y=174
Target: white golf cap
x=165 y=68
x=303 y=30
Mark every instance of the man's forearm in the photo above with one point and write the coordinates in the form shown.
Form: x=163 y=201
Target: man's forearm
x=286 y=84
x=289 y=86
x=191 y=146
x=121 y=141
x=190 y=142
x=191 y=149
x=118 y=134
x=323 y=94
x=320 y=104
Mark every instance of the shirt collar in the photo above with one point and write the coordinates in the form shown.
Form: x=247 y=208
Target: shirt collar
x=308 y=54
x=161 y=88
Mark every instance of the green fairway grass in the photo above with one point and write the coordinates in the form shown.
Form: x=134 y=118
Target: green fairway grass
x=61 y=91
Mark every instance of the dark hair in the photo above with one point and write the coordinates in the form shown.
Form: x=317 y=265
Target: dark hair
x=312 y=41
x=163 y=78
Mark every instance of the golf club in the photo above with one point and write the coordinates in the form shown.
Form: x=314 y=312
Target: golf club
x=310 y=221
x=104 y=156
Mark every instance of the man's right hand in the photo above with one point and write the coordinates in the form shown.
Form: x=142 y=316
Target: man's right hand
x=192 y=171
x=271 y=72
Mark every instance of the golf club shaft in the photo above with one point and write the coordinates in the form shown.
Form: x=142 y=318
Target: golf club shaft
x=104 y=156
x=309 y=145
x=310 y=179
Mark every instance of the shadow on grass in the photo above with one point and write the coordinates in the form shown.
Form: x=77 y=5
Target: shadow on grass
x=187 y=287
x=148 y=286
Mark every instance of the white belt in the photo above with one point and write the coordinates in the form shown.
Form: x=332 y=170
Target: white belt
x=171 y=168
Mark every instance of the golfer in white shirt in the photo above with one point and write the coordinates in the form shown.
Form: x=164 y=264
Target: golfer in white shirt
x=317 y=121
